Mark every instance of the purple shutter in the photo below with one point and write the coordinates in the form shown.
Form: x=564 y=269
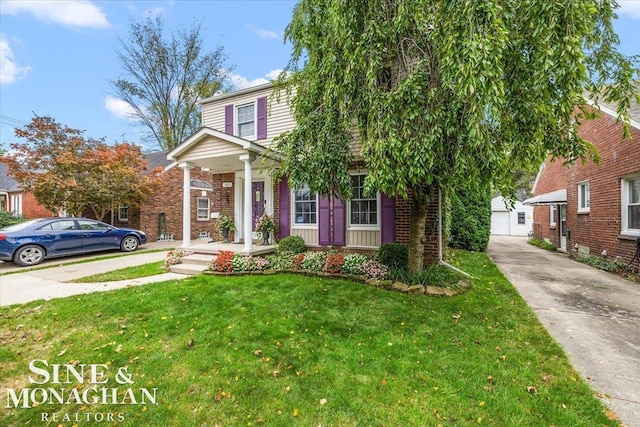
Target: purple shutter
x=324 y=226
x=339 y=223
x=285 y=197
x=228 y=119
x=388 y=219
x=262 y=117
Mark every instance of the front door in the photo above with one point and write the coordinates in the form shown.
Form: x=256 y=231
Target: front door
x=563 y=227
x=257 y=202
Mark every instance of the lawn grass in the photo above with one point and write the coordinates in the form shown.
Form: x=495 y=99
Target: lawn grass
x=126 y=273
x=286 y=350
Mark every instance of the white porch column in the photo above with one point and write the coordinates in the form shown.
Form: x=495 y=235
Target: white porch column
x=186 y=203
x=246 y=223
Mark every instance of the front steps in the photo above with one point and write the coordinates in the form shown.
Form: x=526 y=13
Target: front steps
x=204 y=253
x=193 y=265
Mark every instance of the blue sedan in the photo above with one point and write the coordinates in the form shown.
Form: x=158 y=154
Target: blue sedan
x=31 y=242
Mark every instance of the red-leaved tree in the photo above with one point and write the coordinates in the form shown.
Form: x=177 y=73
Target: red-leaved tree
x=69 y=173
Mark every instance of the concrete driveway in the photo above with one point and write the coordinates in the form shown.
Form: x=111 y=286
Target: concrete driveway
x=593 y=315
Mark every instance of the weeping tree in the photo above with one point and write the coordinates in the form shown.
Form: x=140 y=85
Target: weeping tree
x=165 y=75
x=444 y=93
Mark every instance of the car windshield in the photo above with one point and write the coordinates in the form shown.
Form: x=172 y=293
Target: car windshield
x=21 y=225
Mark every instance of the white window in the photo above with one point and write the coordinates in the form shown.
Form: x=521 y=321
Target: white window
x=305 y=204
x=363 y=209
x=203 y=209
x=123 y=213
x=584 y=197
x=552 y=215
x=16 y=204
x=631 y=206
x=246 y=120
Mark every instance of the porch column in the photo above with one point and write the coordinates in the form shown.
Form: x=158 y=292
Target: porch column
x=186 y=203
x=247 y=226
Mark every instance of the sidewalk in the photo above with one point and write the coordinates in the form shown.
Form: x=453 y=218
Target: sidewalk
x=593 y=315
x=25 y=285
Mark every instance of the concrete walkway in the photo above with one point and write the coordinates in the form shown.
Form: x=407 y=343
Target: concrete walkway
x=25 y=285
x=593 y=315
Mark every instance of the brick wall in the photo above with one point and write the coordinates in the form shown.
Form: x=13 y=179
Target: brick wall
x=552 y=177
x=32 y=209
x=168 y=199
x=600 y=228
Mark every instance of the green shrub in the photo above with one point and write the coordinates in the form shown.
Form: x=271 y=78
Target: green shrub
x=394 y=255
x=7 y=218
x=543 y=244
x=470 y=218
x=600 y=263
x=293 y=244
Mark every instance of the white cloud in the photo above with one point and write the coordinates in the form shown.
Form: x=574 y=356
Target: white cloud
x=71 y=13
x=119 y=108
x=10 y=70
x=241 y=82
x=630 y=8
x=262 y=33
x=274 y=74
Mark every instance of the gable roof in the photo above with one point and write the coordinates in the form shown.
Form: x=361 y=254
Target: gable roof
x=610 y=108
x=7 y=183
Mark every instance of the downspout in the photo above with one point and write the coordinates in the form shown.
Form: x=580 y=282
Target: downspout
x=440 y=260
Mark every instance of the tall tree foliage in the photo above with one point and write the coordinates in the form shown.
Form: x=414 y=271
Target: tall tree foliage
x=69 y=173
x=443 y=93
x=166 y=76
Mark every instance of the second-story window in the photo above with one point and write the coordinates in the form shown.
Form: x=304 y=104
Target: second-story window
x=246 y=120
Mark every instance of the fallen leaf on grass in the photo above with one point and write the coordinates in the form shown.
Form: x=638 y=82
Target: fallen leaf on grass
x=257 y=352
x=323 y=401
x=63 y=351
x=532 y=389
x=611 y=414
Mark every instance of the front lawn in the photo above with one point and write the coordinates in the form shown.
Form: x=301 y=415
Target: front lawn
x=283 y=350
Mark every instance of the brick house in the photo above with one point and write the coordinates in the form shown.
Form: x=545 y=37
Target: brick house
x=14 y=199
x=589 y=208
x=229 y=151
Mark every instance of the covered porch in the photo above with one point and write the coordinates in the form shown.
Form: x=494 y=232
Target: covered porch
x=252 y=188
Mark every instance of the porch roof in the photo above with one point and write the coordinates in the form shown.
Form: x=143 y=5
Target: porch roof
x=216 y=150
x=558 y=197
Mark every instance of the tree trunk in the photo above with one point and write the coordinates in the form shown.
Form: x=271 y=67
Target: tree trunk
x=416 y=232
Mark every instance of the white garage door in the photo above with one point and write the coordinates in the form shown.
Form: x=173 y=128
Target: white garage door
x=500 y=223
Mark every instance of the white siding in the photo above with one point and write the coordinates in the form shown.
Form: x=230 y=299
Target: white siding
x=309 y=235
x=504 y=221
x=279 y=118
x=363 y=238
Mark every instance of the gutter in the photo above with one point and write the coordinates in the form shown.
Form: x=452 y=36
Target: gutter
x=440 y=259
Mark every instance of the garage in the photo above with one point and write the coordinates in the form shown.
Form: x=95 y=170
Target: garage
x=500 y=223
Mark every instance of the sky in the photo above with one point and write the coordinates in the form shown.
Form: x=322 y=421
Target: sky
x=58 y=57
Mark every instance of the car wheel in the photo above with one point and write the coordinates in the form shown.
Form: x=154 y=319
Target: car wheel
x=129 y=244
x=29 y=255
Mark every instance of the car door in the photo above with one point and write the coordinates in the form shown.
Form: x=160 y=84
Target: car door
x=97 y=236
x=60 y=237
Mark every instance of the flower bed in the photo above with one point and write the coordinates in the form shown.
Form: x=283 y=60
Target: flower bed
x=356 y=267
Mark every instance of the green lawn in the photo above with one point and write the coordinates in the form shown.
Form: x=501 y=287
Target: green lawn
x=288 y=350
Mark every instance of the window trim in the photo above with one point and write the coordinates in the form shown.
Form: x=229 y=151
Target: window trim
x=121 y=208
x=365 y=227
x=292 y=208
x=198 y=209
x=237 y=124
x=581 y=208
x=553 y=209
x=624 y=206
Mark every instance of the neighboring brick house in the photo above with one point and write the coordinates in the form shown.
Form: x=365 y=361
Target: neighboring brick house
x=593 y=208
x=13 y=199
x=238 y=129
